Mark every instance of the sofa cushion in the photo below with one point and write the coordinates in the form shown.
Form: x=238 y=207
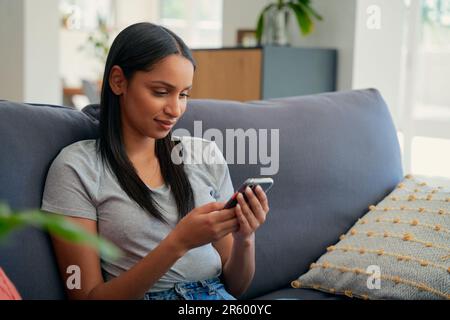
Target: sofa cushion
x=298 y=294
x=31 y=136
x=398 y=250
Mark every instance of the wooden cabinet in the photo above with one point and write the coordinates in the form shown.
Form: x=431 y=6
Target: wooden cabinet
x=263 y=72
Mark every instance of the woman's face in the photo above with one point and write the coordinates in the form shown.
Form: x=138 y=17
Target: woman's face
x=153 y=101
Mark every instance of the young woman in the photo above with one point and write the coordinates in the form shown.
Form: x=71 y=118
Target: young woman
x=167 y=218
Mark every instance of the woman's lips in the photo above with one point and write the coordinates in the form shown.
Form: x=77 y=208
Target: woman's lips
x=166 y=125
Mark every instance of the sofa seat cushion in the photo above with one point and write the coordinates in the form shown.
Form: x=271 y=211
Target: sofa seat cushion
x=299 y=294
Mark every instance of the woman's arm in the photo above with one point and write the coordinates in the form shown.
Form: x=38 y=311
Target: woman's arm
x=238 y=250
x=131 y=284
x=238 y=263
x=202 y=225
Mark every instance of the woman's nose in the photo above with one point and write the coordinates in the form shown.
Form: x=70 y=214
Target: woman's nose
x=174 y=107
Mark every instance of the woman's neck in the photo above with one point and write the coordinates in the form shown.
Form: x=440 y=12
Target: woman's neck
x=140 y=150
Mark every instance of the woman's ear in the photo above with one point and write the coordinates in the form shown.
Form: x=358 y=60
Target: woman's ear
x=117 y=80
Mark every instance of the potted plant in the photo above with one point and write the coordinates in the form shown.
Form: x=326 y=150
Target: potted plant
x=98 y=41
x=56 y=225
x=97 y=46
x=272 y=26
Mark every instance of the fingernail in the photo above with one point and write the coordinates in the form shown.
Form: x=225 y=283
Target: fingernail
x=248 y=189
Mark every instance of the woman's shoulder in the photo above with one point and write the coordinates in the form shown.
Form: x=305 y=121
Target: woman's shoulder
x=72 y=182
x=81 y=153
x=198 y=150
x=81 y=146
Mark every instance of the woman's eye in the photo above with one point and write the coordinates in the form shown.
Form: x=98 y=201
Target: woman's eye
x=164 y=93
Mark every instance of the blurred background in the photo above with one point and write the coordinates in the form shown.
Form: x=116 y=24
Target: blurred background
x=53 y=51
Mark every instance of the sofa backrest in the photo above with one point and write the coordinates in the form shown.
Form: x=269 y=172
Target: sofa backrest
x=30 y=138
x=338 y=153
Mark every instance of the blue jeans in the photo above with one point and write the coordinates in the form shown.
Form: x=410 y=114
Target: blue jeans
x=210 y=289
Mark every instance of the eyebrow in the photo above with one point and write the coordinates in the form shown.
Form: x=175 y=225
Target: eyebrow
x=170 y=85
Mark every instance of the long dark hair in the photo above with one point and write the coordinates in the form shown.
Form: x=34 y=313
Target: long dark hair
x=138 y=48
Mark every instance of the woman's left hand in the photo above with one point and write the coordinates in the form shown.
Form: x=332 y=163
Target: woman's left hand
x=250 y=214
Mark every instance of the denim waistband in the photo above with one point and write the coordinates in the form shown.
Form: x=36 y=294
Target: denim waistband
x=197 y=284
x=180 y=288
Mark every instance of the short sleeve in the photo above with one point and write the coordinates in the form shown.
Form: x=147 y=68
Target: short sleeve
x=70 y=187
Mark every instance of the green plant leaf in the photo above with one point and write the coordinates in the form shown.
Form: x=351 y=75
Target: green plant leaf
x=309 y=10
x=56 y=225
x=260 y=27
x=4 y=209
x=63 y=228
x=307 y=2
x=8 y=223
x=304 y=21
x=260 y=24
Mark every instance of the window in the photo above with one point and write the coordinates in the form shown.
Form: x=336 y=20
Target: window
x=197 y=22
x=436 y=24
x=427 y=120
x=434 y=60
x=431 y=156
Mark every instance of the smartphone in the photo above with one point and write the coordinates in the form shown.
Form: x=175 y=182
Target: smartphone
x=265 y=183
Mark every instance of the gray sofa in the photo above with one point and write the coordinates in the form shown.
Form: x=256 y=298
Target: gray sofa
x=338 y=153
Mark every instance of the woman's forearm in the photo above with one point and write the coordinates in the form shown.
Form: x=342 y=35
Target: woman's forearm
x=134 y=283
x=239 y=269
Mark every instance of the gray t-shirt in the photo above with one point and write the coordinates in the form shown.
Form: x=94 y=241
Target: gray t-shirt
x=78 y=185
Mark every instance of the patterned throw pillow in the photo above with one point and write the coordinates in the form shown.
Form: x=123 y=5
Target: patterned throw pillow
x=399 y=250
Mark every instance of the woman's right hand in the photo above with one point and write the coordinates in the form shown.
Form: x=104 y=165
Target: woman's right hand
x=204 y=224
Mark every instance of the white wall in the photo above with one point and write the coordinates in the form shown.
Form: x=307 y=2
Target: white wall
x=29 y=53
x=335 y=31
x=133 y=11
x=41 y=60
x=240 y=14
x=378 y=59
x=11 y=52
